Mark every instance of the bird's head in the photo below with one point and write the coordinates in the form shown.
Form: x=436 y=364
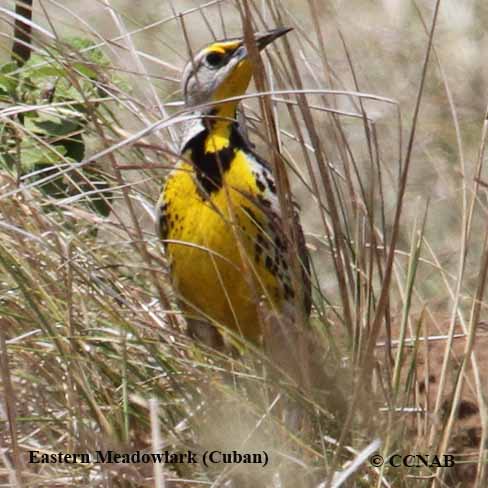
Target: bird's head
x=222 y=70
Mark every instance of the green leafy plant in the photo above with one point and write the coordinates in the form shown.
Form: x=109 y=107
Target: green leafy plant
x=52 y=101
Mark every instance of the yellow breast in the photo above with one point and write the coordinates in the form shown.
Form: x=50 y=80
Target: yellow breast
x=218 y=246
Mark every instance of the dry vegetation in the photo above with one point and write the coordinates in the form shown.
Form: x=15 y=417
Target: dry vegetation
x=382 y=132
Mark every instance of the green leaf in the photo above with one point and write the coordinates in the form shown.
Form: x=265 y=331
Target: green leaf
x=95 y=55
x=59 y=136
x=56 y=128
x=8 y=83
x=33 y=154
x=46 y=71
x=86 y=70
x=8 y=68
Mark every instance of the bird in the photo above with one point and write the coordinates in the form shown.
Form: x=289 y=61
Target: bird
x=218 y=215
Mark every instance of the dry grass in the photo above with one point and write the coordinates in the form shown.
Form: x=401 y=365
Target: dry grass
x=92 y=347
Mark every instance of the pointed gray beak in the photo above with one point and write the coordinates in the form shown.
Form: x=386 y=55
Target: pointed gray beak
x=262 y=40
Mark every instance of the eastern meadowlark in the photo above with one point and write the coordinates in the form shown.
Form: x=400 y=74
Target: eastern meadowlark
x=218 y=215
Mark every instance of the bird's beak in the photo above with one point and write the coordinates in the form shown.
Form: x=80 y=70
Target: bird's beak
x=262 y=40
x=240 y=69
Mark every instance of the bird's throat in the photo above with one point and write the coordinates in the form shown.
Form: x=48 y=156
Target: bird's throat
x=212 y=151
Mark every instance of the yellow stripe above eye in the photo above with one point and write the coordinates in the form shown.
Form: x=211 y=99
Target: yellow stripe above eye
x=222 y=47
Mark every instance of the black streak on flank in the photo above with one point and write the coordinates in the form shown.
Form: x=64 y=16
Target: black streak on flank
x=264 y=201
x=163 y=227
x=269 y=264
x=210 y=166
x=259 y=183
x=162 y=224
x=270 y=182
x=289 y=293
x=258 y=246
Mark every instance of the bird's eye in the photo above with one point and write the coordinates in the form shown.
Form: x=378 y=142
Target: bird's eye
x=214 y=60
